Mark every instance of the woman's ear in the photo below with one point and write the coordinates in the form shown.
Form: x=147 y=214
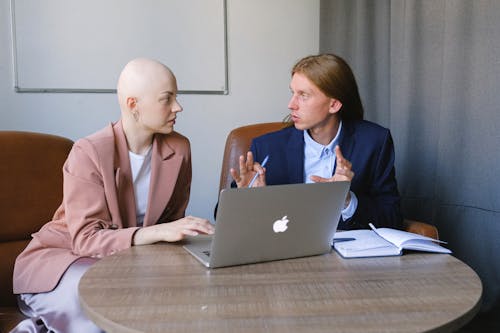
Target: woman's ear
x=335 y=105
x=131 y=103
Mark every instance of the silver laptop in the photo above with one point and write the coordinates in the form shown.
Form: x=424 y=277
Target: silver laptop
x=271 y=223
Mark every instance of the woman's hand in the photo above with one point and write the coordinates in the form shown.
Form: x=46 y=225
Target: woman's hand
x=173 y=231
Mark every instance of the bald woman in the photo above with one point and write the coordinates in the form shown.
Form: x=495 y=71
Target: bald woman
x=125 y=185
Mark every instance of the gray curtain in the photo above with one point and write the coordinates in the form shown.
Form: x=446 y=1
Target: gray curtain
x=430 y=71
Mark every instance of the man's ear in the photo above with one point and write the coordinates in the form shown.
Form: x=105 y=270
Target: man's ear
x=335 y=105
x=131 y=103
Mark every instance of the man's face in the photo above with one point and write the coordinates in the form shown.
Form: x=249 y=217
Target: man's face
x=309 y=106
x=159 y=106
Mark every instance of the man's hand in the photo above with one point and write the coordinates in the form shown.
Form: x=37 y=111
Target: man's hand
x=247 y=170
x=343 y=172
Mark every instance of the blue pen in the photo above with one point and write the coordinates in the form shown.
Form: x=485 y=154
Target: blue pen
x=338 y=240
x=263 y=164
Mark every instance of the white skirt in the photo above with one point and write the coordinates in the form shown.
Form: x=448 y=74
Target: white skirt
x=58 y=310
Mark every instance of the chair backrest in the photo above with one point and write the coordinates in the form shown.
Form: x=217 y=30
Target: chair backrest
x=30 y=192
x=237 y=143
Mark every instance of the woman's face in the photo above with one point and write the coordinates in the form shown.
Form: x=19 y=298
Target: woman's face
x=158 y=107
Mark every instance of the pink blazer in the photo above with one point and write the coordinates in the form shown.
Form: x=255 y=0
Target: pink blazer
x=97 y=216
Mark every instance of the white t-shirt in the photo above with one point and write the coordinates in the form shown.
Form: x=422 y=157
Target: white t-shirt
x=141 y=176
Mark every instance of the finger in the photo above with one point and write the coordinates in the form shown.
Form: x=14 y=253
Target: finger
x=235 y=175
x=205 y=227
x=262 y=177
x=343 y=174
x=318 y=179
x=340 y=178
x=339 y=157
x=200 y=225
x=338 y=153
x=258 y=168
x=242 y=165
x=189 y=232
x=345 y=165
x=341 y=161
x=250 y=163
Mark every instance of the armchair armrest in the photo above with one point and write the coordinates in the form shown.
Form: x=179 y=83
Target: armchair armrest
x=421 y=228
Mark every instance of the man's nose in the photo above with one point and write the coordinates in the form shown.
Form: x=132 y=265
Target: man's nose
x=292 y=104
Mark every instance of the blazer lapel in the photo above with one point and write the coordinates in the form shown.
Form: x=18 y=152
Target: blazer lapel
x=295 y=156
x=123 y=178
x=165 y=166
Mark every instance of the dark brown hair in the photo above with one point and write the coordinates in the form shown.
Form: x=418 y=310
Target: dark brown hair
x=333 y=76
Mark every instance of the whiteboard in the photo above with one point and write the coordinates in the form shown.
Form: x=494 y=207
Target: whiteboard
x=82 y=45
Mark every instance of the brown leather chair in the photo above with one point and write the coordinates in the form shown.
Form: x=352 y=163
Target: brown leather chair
x=238 y=142
x=30 y=192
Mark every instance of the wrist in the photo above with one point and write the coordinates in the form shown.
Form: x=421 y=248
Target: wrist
x=347 y=200
x=143 y=236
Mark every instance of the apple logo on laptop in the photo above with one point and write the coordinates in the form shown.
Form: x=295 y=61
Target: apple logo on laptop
x=281 y=224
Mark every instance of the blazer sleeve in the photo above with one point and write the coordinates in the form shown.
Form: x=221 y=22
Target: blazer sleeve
x=92 y=229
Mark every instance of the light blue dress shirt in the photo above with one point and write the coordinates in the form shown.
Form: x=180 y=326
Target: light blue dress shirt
x=319 y=160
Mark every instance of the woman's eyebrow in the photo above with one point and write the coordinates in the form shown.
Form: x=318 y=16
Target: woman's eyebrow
x=168 y=92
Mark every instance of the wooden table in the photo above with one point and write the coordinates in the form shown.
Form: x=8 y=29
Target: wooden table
x=162 y=288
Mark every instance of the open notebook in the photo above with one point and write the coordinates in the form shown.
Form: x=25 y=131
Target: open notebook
x=380 y=242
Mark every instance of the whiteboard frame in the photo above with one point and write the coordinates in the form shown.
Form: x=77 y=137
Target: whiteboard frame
x=17 y=88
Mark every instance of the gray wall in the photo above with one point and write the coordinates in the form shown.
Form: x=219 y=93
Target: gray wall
x=265 y=38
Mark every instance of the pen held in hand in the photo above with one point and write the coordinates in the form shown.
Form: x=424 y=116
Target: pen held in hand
x=263 y=164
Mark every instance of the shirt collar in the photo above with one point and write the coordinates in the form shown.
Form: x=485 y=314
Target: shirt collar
x=318 y=149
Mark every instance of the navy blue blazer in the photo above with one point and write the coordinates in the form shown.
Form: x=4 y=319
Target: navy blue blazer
x=368 y=146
